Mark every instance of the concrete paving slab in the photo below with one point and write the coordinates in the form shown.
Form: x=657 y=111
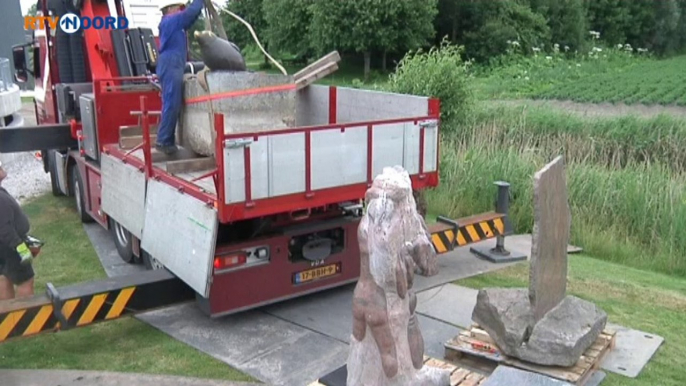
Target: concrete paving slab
x=596 y=378
x=435 y=334
x=268 y=348
x=633 y=349
x=107 y=252
x=100 y=378
x=510 y=376
x=449 y=303
x=328 y=312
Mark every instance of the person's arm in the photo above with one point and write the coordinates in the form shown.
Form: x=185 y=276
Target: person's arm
x=188 y=16
x=8 y=235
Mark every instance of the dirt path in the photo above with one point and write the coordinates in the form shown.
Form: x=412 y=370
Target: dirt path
x=599 y=109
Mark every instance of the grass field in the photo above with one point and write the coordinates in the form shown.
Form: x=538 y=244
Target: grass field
x=641 y=300
x=121 y=345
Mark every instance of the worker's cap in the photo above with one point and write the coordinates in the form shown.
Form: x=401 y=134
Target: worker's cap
x=167 y=3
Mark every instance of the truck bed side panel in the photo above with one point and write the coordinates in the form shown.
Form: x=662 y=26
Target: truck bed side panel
x=123 y=194
x=180 y=231
x=357 y=105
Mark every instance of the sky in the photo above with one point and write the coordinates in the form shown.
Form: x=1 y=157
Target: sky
x=25 y=5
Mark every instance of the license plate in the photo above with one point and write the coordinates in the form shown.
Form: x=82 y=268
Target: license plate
x=316 y=273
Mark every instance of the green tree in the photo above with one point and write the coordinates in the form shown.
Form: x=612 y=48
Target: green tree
x=413 y=26
x=489 y=25
x=610 y=18
x=567 y=21
x=287 y=25
x=250 y=11
x=365 y=26
x=448 y=20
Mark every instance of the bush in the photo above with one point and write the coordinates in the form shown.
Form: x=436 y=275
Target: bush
x=439 y=73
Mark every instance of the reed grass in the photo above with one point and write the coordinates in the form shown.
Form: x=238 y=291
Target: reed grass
x=627 y=206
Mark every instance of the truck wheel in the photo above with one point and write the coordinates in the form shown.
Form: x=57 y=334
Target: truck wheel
x=77 y=187
x=150 y=262
x=52 y=167
x=123 y=241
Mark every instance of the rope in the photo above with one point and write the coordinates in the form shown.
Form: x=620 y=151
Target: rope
x=239 y=93
x=252 y=32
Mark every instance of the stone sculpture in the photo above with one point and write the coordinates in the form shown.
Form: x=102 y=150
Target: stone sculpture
x=387 y=347
x=543 y=325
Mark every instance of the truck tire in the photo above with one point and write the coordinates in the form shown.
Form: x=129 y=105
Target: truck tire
x=76 y=183
x=52 y=166
x=123 y=240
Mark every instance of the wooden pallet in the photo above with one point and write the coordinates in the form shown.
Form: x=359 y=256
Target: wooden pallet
x=476 y=346
x=458 y=375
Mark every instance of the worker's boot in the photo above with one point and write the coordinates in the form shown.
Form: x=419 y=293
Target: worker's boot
x=166 y=149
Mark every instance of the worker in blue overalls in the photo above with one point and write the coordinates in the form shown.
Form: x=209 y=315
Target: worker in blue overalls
x=176 y=20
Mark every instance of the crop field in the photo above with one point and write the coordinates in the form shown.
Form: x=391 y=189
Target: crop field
x=650 y=82
x=612 y=77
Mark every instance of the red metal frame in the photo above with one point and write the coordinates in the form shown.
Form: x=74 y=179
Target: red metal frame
x=333 y=104
x=114 y=106
x=219 y=155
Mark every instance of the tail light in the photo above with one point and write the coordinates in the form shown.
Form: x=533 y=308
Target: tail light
x=230 y=260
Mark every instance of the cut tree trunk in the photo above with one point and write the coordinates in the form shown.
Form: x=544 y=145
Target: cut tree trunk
x=367 y=65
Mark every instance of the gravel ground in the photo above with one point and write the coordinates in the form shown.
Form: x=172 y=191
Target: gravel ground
x=26 y=178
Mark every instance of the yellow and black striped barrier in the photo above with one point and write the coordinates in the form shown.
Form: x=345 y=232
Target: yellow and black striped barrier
x=88 y=303
x=447 y=235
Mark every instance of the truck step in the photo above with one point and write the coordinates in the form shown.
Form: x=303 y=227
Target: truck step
x=128 y=131
x=133 y=141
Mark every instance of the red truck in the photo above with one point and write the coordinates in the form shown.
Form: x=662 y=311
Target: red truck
x=271 y=216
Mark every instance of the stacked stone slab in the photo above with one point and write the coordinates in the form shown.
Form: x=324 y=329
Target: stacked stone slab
x=543 y=325
x=250 y=113
x=387 y=347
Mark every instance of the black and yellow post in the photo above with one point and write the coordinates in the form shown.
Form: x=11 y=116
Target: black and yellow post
x=499 y=254
x=448 y=234
x=84 y=304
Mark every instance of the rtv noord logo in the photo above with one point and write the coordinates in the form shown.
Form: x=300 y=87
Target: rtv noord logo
x=70 y=23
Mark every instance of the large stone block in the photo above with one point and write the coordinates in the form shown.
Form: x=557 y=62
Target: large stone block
x=249 y=113
x=564 y=333
x=558 y=339
x=552 y=222
x=506 y=315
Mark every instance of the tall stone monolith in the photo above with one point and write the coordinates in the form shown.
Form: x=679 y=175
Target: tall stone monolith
x=387 y=347
x=552 y=222
x=543 y=325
